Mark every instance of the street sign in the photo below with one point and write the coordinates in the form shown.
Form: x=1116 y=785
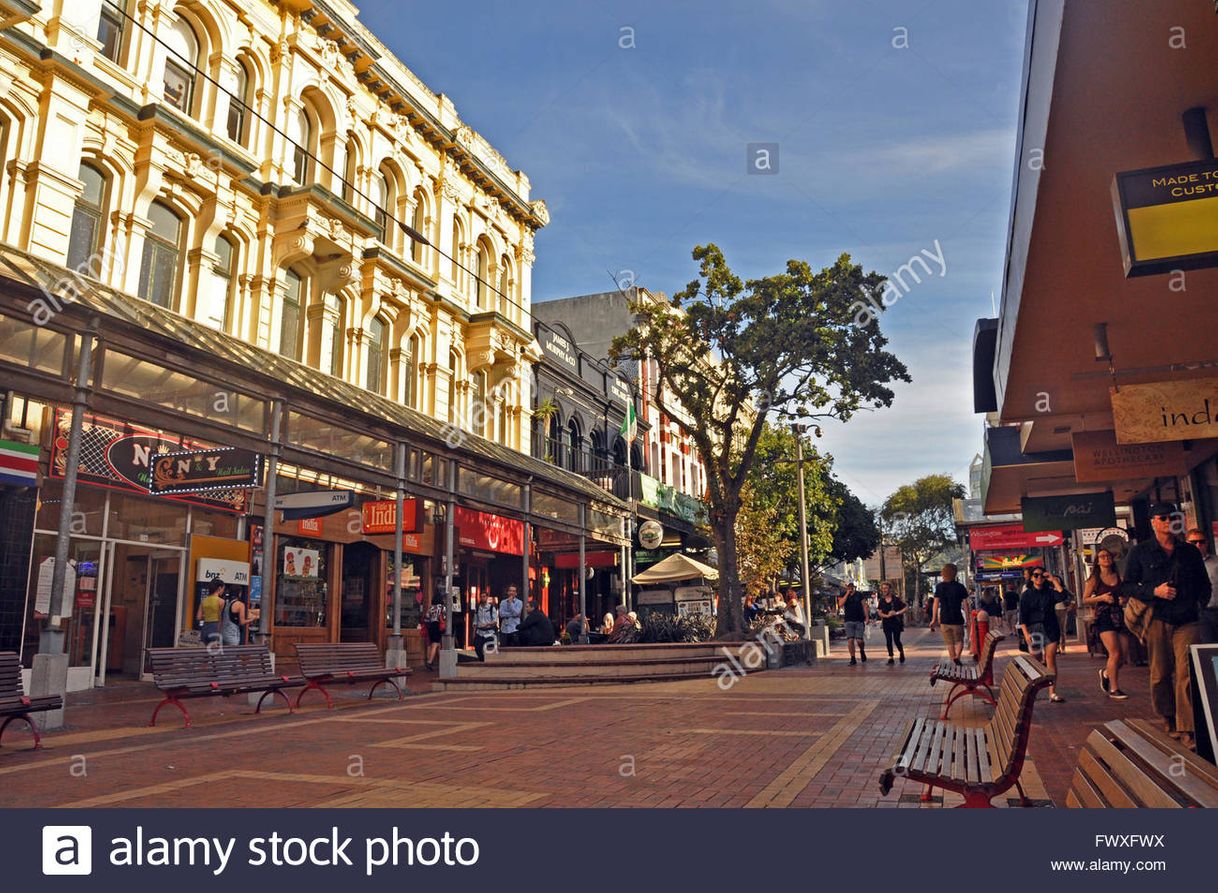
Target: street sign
x=1011 y=537
x=313 y=503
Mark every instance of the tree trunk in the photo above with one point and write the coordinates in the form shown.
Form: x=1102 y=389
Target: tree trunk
x=730 y=616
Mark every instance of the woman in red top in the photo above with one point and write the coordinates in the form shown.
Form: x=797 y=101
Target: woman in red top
x=1101 y=594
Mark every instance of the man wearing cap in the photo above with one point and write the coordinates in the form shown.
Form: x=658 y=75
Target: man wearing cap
x=1169 y=575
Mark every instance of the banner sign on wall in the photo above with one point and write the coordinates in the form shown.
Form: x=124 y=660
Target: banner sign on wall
x=1098 y=457
x=300 y=563
x=380 y=516
x=492 y=533
x=119 y=455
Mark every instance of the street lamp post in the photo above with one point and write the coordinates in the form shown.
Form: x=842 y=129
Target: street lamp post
x=803 y=531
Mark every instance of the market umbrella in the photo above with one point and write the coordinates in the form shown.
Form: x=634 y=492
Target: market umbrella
x=675 y=568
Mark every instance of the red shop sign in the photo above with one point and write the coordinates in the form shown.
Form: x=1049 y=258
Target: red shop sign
x=381 y=516
x=1011 y=537
x=491 y=533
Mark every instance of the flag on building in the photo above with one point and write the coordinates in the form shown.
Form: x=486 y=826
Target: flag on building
x=630 y=424
x=18 y=464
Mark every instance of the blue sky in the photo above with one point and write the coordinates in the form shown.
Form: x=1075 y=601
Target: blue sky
x=641 y=154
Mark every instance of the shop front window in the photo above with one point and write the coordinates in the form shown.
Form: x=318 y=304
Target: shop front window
x=146 y=519
x=81 y=586
x=302 y=598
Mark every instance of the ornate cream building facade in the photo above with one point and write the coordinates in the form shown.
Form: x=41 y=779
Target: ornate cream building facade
x=260 y=167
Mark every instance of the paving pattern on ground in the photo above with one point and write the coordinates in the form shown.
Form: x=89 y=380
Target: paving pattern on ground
x=801 y=737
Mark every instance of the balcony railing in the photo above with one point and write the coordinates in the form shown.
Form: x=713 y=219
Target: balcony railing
x=597 y=467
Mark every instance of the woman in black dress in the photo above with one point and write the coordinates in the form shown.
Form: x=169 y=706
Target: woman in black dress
x=892 y=619
x=1101 y=594
x=1039 y=624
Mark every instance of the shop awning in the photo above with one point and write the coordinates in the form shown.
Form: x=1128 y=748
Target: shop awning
x=675 y=568
x=195 y=347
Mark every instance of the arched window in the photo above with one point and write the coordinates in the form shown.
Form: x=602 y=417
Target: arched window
x=454 y=369
x=110 y=29
x=87 y=218
x=481 y=292
x=575 y=445
x=636 y=458
x=417 y=223
x=378 y=348
x=619 y=452
x=380 y=201
x=238 y=105
x=456 y=252
x=291 y=320
x=505 y=284
x=181 y=60
x=337 y=326
x=162 y=253
x=412 y=372
x=226 y=272
x=300 y=133
x=349 y=163
x=478 y=410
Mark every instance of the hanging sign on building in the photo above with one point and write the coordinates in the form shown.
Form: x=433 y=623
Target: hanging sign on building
x=1167 y=217
x=199 y=471
x=651 y=534
x=313 y=503
x=1166 y=411
x=1098 y=457
x=1010 y=537
x=1073 y=512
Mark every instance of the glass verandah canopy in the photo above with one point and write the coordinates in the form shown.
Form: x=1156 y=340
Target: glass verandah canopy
x=162 y=368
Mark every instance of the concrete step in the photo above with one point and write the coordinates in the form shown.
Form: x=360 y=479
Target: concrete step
x=700 y=666
x=574 y=654
x=499 y=683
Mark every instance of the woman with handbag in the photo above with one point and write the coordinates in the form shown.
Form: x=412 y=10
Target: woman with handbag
x=1101 y=593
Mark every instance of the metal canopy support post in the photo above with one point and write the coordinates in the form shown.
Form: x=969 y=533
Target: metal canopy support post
x=583 y=572
x=448 y=657
x=49 y=675
x=527 y=540
x=52 y=639
x=393 y=653
x=268 y=526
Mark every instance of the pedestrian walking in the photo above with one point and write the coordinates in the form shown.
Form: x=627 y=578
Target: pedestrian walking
x=1209 y=612
x=1038 y=621
x=950 y=600
x=1169 y=575
x=892 y=620
x=853 y=606
x=1010 y=608
x=1102 y=594
x=510 y=610
x=486 y=624
x=435 y=620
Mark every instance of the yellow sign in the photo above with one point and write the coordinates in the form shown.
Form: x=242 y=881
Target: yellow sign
x=1167 y=217
x=1166 y=410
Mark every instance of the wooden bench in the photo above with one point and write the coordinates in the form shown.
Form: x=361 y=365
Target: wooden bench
x=1129 y=763
x=970 y=680
x=227 y=670
x=980 y=762
x=14 y=703
x=347 y=663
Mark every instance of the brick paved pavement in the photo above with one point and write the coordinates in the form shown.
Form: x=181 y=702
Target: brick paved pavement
x=814 y=736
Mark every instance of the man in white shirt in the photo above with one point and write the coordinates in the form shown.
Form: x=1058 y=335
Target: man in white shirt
x=1209 y=613
x=510 y=609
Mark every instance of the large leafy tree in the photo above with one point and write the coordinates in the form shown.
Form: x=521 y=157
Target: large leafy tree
x=855 y=533
x=732 y=353
x=918 y=520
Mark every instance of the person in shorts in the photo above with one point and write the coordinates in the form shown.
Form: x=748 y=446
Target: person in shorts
x=854 y=606
x=1039 y=624
x=950 y=600
x=1010 y=608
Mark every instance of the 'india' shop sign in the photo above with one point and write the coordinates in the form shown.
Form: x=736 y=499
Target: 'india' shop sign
x=1167 y=217
x=1166 y=411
